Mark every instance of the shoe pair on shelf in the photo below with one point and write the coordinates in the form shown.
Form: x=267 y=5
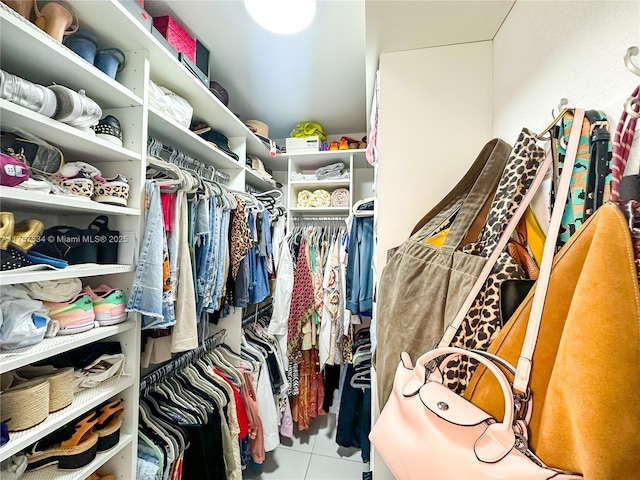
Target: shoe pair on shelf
x=57 y=18
x=30 y=394
x=56 y=101
x=103 y=306
x=85 y=44
x=84 y=180
x=76 y=444
x=16 y=246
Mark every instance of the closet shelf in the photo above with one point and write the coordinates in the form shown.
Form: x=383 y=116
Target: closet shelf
x=72 y=142
x=51 y=62
x=299 y=211
x=72 y=271
x=173 y=134
x=310 y=184
x=82 y=402
x=166 y=70
x=256 y=181
x=13 y=199
x=52 y=472
x=19 y=357
x=318 y=159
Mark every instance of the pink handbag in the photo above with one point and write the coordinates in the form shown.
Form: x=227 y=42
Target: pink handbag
x=427 y=431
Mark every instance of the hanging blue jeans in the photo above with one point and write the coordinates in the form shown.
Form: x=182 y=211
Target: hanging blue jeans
x=147 y=295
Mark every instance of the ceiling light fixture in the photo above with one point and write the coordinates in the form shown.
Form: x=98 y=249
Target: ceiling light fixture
x=282 y=16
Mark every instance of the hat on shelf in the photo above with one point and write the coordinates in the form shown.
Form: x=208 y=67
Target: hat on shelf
x=258 y=168
x=261 y=129
x=217 y=138
x=220 y=92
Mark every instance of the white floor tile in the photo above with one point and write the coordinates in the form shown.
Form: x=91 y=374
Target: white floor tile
x=282 y=464
x=326 y=445
x=326 y=468
x=301 y=441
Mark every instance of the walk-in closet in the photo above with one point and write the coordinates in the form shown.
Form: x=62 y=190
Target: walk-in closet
x=293 y=240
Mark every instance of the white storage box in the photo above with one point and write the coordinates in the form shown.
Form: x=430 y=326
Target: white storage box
x=307 y=144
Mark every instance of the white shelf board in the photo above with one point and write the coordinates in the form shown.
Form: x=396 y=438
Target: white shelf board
x=72 y=271
x=71 y=141
x=166 y=70
x=256 y=181
x=52 y=472
x=175 y=135
x=51 y=62
x=49 y=347
x=343 y=182
x=16 y=199
x=315 y=211
x=327 y=157
x=82 y=402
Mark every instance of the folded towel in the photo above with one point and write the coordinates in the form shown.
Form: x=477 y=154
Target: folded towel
x=304 y=198
x=340 y=198
x=317 y=198
x=330 y=171
x=321 y=198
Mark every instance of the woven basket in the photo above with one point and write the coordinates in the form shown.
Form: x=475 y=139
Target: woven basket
x=60 y=383
x=25 y=405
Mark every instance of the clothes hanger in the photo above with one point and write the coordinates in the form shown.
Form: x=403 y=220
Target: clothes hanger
x=556 y=119
x=631 y=52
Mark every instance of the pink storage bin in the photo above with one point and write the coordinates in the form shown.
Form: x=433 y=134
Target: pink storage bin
x=176 y=36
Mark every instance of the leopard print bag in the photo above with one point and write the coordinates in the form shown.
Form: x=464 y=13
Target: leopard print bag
x=483 y=321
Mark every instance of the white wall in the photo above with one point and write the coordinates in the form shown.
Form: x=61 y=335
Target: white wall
x=435 y=117
x=548 y=50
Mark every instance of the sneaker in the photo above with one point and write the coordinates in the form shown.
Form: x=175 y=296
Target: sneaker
x=74 y=316
x=108 y=304
x=109 y=129
x=76 y=178
x=114 y=190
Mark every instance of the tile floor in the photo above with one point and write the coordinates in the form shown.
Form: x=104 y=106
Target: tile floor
x=312 y=455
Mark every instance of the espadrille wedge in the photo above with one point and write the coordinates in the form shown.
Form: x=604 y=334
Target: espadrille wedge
x=60 y=383
x=73 y=446
x=24 y=405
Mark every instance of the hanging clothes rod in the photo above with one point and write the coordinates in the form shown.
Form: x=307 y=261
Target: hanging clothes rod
x=318 y=219
x=249 y=318
x=178 y=363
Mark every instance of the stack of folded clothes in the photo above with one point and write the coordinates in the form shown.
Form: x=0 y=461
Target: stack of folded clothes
x=330 y=171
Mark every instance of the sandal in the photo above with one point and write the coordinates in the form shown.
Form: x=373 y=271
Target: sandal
x=55 y=17
x=109 y=423
x=73 y=446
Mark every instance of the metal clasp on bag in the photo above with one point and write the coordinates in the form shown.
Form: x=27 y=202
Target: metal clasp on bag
x=520 y=404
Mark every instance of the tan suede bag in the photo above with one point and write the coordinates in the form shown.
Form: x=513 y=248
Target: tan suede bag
x=585 y=370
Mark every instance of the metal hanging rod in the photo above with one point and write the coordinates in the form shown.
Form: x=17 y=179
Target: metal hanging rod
x=318 y=219
x=176 y=364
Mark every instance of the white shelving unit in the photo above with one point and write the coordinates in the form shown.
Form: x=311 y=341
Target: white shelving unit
x=11 y=359
x=307 y=163
x=82 y=402
x=31 y=54
x=72 y=271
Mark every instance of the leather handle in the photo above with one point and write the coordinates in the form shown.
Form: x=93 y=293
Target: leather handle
x=523 y=369
x=499 y=438
x=451 y=330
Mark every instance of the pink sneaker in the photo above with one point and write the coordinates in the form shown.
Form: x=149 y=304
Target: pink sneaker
x=74 y=316
x=108 y=304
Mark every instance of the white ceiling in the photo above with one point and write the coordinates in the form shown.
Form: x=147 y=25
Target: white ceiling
x=324 y=73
